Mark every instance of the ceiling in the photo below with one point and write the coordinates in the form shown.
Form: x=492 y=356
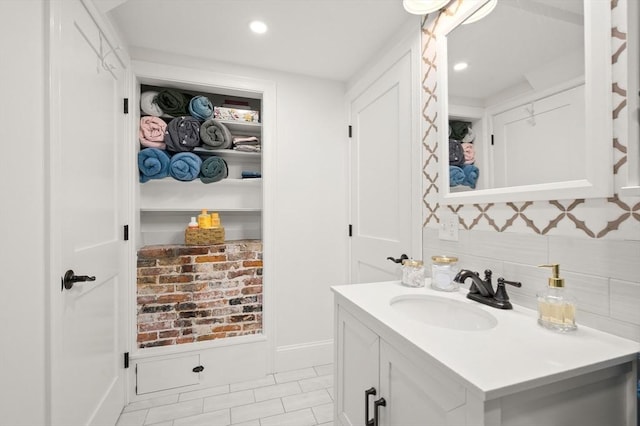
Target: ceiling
x=330 y=39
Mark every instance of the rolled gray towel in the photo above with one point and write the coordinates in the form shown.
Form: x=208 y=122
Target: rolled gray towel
x=215 y=134
x=183 y=134
x=213 y=169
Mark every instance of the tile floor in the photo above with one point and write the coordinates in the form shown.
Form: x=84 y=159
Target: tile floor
x=296 y=398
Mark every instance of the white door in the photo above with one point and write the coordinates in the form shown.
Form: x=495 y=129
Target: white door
x=385 y=175
x=88 y=172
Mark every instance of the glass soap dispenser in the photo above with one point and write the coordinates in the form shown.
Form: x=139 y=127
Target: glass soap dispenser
x=556 y=310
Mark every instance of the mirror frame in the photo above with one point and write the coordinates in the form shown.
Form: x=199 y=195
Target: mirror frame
x=598 y=99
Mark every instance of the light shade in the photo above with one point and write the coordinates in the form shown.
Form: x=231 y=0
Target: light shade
x=482 y=12
x=422 y=7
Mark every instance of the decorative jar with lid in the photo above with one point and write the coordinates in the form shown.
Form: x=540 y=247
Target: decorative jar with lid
x=443 y=270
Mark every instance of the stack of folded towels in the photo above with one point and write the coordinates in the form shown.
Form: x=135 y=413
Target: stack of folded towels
x=247 y=144
x=173 y=125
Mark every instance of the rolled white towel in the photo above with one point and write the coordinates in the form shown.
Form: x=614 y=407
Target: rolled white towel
x=470 y=136
x=148 y=104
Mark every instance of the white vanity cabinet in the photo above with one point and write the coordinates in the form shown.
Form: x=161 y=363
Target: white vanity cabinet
x=358 y=352
x=473 y=384
x=411 y=393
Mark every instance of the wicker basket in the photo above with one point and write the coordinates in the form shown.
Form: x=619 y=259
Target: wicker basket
x=203 y=237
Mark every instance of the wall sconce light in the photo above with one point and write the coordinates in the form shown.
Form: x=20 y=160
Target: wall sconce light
x=422 y=7
x=486 y=9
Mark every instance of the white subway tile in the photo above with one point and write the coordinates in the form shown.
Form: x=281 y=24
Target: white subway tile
x=604 y=258
x=609 y=325
x=591 y=292
x=507 y=247
x=625 y=301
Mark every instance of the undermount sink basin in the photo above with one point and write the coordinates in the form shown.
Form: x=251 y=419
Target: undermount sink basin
x=445 y=313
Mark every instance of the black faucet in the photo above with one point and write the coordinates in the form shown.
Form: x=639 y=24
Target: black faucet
x=482 y=290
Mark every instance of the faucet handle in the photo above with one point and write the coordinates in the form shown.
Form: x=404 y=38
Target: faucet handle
x=501 y=291
x=513 y=283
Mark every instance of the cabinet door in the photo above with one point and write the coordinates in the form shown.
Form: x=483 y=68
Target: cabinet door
x=357 y=369
x=417 y=394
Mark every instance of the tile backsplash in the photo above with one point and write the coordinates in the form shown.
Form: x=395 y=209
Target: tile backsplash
x=595 y=241
x=603 y=275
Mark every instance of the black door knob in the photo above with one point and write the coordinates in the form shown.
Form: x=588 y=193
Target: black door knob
x=71 y=278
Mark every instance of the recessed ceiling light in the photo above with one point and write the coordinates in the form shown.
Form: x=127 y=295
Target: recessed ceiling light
x=258 y=27
x=460 y=66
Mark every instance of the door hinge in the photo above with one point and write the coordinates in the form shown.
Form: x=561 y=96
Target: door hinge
x=126 y=233
x=126 y=360
x=125 y=106
x=350 y=230
x=350 y=130
x=491 y=139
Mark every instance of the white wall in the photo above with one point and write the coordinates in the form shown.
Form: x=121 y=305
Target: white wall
x=310 y=229
x=23 y=214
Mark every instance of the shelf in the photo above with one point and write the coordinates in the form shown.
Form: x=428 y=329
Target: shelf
x=186 y=209
x=166 y=182
x=243 y=128
x=460 y=188
x=229 y=153
x=228 y=194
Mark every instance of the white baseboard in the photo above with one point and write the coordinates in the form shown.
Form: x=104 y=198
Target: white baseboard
x=294 y=357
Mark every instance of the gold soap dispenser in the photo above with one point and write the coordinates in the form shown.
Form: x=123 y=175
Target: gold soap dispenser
x=556 y=309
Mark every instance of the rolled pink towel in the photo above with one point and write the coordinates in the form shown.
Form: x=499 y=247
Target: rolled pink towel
x=469 y=153
x=152 y=130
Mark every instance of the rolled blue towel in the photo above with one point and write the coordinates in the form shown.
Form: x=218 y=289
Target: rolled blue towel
x=185 y=166
x=471 y=173
x=213 y=169
x=201 y=108
x=456 y=176
x=153 y=163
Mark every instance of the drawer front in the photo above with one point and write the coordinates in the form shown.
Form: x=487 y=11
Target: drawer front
x=157 y=375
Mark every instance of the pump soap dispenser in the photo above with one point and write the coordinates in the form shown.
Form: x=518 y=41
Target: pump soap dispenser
x=556 y=310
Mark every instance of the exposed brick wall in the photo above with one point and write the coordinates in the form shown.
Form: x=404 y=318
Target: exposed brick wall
x=194 y=293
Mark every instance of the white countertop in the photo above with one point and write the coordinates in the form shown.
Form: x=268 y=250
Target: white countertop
x=515 y=355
